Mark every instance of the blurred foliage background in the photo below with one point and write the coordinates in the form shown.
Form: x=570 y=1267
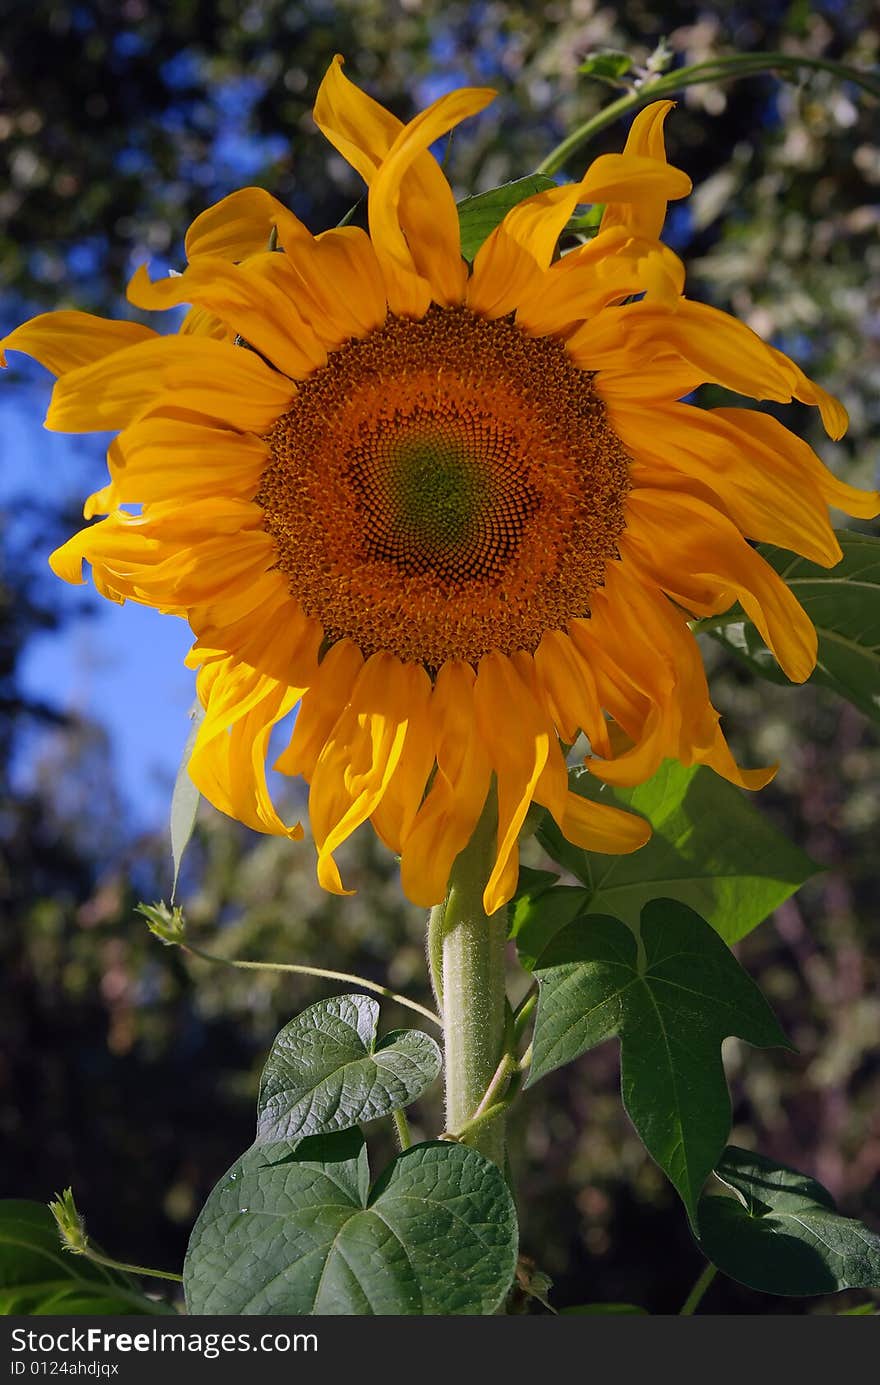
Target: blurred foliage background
x=130 y=1071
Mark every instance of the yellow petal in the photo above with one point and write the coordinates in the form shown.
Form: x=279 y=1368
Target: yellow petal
x=264 y=627
x=690 y=547
x=445 y=821
x=517 y=737
x=355 y=124
x=335 y=281
x=832 y=412
x=720 y=349
x=569 y=690
x=65 y=340
x=647 y=183
x=195 y=373
x=413 y=220
x=765 y=496
x=228 y=761
x=771 y=439
x=240 y=225
x=361 y=755
x=646 y=215
x=162 y=458
x=509 y=266
x=322 y=706
x=600 y=827
x=268 y=321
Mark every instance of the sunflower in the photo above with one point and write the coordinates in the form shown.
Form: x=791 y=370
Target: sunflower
x=455 y=514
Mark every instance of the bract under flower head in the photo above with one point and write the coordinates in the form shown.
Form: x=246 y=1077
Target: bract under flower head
x=455 y=514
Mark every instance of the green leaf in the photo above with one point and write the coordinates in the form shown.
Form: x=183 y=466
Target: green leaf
x=479 y=215
x=607 y=67
x=185 y=798
x=781 y=1233
x=305 y=1234
x=843 y=603
x=37 y=1276
x=671 y=998
x=711 y=849
x=326 y=1071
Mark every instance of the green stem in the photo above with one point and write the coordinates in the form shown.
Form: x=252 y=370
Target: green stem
x=473 y=946
x=435 y=952
x=505 y=1070
x=523 y=1014
x=712 y=70
x=123 y=1268
x=401 y=1125
x=699 y=627
x=320 y=972
x=693 y=1299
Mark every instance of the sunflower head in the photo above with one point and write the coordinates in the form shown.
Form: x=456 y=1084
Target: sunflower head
x=453 y=514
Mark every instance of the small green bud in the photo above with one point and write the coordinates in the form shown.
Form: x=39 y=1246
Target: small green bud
x=71 y=1227
x=167 y=923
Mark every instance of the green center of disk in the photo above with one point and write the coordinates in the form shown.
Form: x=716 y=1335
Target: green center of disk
x=437 y=490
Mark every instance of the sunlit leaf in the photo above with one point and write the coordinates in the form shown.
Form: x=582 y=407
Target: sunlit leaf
x=327 y=1071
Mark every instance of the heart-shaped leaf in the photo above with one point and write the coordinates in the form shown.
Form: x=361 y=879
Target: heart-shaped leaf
x=782 y=1234
x=710 y=849
x=479 y=215
x=843 y=602
x=327 y=1072
x=671 y=997
x=38 y=1276
x=304 y=1234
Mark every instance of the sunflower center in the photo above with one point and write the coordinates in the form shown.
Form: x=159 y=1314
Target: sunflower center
x=445 y=487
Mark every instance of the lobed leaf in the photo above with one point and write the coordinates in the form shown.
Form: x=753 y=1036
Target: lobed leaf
x=671 y=995
x=710 y=849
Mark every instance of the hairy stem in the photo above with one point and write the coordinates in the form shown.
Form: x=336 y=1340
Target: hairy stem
x=471 y=947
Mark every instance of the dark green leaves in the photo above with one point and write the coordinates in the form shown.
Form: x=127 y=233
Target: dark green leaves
x=479 y=215
x=37 y=1276
x=294 y=1227
x=327 y=1072
x=782 y=1234
x=843 y=603
x=711 y=849
x=670 y=1001
x=305 y=1234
